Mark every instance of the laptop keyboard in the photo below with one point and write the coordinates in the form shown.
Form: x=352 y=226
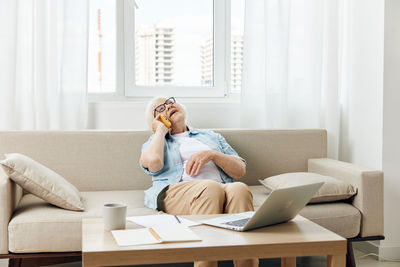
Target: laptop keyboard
x=239 y=223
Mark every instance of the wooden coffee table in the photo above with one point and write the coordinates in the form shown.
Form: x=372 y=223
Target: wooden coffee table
x=299 y=237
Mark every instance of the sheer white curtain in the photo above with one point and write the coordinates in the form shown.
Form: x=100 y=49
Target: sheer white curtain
x=293 y=65
x=43 y=64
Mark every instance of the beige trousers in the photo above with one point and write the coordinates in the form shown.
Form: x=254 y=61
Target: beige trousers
x=209 y=197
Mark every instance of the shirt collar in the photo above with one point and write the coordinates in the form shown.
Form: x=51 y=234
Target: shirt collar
x=192 y=131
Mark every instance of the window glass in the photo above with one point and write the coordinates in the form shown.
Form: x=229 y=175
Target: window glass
x=237 y=30
x=174 y=43
x=102 y=47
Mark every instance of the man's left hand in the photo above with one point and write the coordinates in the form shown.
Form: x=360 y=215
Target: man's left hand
x=197 y=161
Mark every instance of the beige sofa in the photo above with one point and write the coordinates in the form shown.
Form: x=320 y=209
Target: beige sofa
x=104 y=167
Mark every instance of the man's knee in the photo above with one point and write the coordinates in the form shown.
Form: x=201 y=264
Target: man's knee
x=238 y=198
x=238 y=188
x=239 y=191
x=211 y=190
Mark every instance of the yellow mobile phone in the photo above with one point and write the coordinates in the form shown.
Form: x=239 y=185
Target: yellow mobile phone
x=166 y=122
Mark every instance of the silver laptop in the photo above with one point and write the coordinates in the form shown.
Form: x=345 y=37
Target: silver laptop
x=281 y=205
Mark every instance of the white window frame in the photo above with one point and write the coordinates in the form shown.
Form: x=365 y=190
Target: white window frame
x=125 y=59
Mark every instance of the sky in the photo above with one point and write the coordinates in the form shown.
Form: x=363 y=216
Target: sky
x=192 y=21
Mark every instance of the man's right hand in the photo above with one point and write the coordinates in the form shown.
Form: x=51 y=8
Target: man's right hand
x=158 y=126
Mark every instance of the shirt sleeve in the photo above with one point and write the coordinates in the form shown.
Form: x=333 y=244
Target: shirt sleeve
x=226 y=148
x=146 y=170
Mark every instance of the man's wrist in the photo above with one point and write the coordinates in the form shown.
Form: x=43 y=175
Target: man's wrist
x=161 y=133
x=162 y=130
x=213 y=154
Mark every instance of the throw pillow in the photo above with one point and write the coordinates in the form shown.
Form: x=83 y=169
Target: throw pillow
x=332 y=190
x=41 y=181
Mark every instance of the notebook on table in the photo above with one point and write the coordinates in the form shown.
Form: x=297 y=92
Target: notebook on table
x=154 y=235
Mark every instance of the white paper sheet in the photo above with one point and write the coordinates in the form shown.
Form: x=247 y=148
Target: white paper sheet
x=161 y=220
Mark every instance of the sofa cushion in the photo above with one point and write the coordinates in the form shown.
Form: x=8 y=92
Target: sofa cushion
x=259 y=195
x=37 y=226
x=332 y=190
x=42 y=181
x=341 y=218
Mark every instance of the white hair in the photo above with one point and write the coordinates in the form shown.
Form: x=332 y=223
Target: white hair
x=149 y=112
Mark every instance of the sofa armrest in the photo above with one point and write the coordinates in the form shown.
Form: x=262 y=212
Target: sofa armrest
x=369 y=183
x=10 y=195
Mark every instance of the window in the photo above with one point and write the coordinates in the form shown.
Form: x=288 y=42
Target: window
x=184 y=47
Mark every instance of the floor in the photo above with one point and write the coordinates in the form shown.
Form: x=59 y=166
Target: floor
x=368 y=261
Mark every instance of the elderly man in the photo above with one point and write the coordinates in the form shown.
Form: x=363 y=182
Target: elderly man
x=193 y=171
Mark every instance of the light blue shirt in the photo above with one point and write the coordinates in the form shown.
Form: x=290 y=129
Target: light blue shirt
x=173 y=166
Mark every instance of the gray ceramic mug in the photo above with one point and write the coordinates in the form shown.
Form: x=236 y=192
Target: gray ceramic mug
x=114 y=216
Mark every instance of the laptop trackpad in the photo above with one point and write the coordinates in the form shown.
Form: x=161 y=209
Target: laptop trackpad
x=235 y=217
x=238 y=223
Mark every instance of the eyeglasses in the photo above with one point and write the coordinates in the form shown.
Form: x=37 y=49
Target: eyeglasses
x=162 y=107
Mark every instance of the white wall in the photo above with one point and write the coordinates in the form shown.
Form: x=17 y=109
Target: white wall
x=130 y=115
x=361 y=126
x=390 y=247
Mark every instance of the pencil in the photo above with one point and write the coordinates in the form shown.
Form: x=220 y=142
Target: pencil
x=156 y=236
x=176 y=217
